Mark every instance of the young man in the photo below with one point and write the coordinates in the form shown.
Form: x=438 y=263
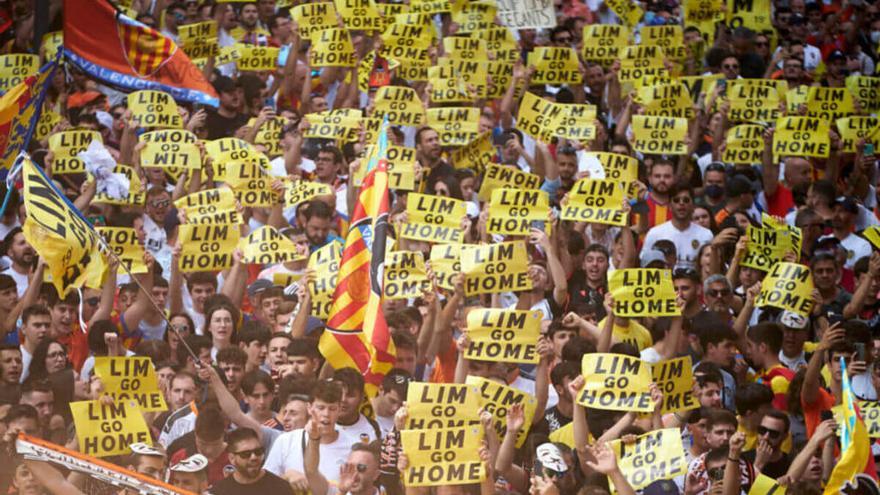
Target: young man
x=843 y=222
x=22 y=256
x=686 y=235
x=719 y=348
x=768 y=458
x=66 y=327
x=286 y=456
x=36 y=325
x=253 y=339
x=205 y=439
x=303 y=357
x=10 y=374
x=259 y=392
x=721 y=426
x=392 y=394
x=247 y=454
x=190 y=474
x=764 y=343
x=231 y=361
x=351 y=423
x=561 y=414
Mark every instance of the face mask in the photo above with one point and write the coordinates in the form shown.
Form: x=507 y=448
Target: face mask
x=713 y=191
x=875 y=36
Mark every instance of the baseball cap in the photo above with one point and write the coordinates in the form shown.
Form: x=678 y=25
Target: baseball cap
x=834 y=56
x=797 y=20
x=146 y=449
x=259 y=285
x=192 y=464
x=661 y=487
x=848 y=203
x=223 y=84
x=793 y=320
x=650 y=256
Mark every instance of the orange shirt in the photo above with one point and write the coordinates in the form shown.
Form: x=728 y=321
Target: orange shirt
x=77 y=344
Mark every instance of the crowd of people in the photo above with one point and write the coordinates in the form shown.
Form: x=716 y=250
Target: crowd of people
x=253 y=406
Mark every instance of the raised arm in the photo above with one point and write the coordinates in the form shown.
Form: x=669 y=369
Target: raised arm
x=504 y=465
x=810 y=389
x=311 y=459
x=175 y=283
x=770 y=169
x=136 y=312
x=51 y=479
x=228 y=404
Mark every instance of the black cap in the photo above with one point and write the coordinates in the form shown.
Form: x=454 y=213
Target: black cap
x=834 y=56
x=797 y=20
x=848 y=203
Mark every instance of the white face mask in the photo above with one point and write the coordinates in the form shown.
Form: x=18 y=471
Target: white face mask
x=875 y=36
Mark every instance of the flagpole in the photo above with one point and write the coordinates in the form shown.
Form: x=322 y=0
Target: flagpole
x=104 y=247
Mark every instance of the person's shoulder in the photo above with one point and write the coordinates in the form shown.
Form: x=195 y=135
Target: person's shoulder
x=275 y=484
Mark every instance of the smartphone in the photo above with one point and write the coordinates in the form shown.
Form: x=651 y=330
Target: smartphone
x=722 y=83
x=860 y=351
x=538 y=470
x=826 y=415
x=869 y=149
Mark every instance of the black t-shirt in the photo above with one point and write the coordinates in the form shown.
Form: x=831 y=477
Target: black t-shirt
x=775 y=469
x=268 y=484
x=219 y=126
x=555 y=419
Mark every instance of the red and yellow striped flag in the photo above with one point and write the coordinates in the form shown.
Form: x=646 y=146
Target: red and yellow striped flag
x=357 y=335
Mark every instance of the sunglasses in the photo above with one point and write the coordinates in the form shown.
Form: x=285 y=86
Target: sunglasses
x=682 y=199
x=160 y=203
x=683 y=272
x=762 y=430
x=563 y=40
x=718 y=292
x=730 y=67
x=257 y=452
x=762 y=43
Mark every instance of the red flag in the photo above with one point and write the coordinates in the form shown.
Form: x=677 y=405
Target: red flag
x=121 y=52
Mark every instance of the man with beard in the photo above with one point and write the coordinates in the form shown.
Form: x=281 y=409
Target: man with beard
x=567 y=162
x=22 y=256
x=357 y=476
x=845 y=210
x=687 y=236
x=156 y=239
x=661 y=178
x=249 y=30
x=227 y=118
x=428 y=153
x=835 y=76
x=778 y=197
x=247 y=454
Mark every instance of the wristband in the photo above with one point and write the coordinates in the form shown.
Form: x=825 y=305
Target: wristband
x=733 y=460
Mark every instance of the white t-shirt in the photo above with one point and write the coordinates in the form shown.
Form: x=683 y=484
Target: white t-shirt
x=287 y=453
x=21 y=281
x=687 y=242
x=26 y=358
x=157 y=244
x=856 y=248
x=361 y=431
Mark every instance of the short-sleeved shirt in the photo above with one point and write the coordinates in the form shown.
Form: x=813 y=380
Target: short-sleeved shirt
x=778 y=378
x=269 y=483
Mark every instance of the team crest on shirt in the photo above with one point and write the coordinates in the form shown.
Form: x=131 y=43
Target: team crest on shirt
x=695 y=243
x=365 y=438
x=850 y=254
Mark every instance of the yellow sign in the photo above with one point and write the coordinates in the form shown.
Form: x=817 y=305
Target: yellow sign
x=512 y=211
x=162 y=155
x=433 y=218
x=207 y=247
x=498 y=398
x=472 y=16
x=554 y=65
x=445 y=263
x=124 y=242
x=154 y=109
x=442 y=405
x=596 y=201
x=65 y=146
x=325 y=262
x=401 y=165
x=660 y=135
x=443 y=456
x=787 y=286
x=400 y=105
x=495 y=268
x=753 y=14
x=619 y=167
x=657 y=455
x=447 y=84
x=51 y=43
x=498 y=176
x=669 y=37
x=214 y=206
x=602 y=42
x=642 y=292
x=301 y=191
x=866 y=90
x=675 y=378
x=332 y=48
x=131 y=378
x=199 y=40
x=15 y=68
x=765 y=485
x=59 y=234
x=801 y=136
x=360 y=15
x=266 y=246
x=507 y=336
x=629 y=12
x=457 y=126
x=770 y=243
x=543 y=119
x=257 y=58
x=314 y=17
x=48 y=121
x=745 y=144
x=872 y=233
x=870 y=411
x=407 y=41
x=405 y=275
x=752 y=102
x=339 y=124
x=636 y=69
x=459 y=47
x=852 y=129
x=169 y=136
x=829 y=103
x=616 y=382
x=667 y=100
x=475 y=155
x=104 y=430
x=251 y=184
x=269 y=135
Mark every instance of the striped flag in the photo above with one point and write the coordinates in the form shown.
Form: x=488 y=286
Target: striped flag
x=855 y=446
x=357 y=335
